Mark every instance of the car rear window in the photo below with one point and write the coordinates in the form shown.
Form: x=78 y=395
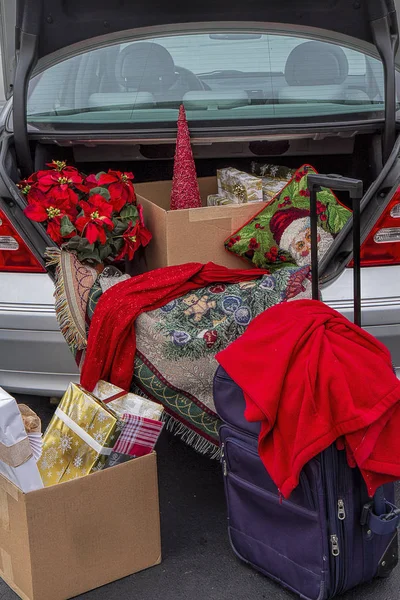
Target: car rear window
x=220 y=77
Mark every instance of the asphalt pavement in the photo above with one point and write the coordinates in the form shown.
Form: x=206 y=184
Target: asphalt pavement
x=198 y=563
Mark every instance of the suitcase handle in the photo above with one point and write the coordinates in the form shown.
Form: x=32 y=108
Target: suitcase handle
x=354 y=187
x=379 y=516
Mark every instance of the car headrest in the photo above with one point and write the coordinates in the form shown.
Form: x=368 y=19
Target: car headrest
x=145 y=66
x=316 y=63
x=209 y=100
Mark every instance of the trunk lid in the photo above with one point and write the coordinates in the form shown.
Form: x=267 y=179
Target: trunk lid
x=43 y=27
x=57 y=23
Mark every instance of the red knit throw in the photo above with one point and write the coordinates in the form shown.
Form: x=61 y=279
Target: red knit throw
x=185 y=188
x=311 y=377
x=111 y=343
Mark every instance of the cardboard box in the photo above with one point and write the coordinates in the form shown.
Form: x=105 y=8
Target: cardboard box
x=64 y=540
x=192 y=235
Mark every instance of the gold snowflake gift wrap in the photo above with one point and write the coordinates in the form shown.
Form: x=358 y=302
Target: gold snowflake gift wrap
x=79 y=438
x=238 y=186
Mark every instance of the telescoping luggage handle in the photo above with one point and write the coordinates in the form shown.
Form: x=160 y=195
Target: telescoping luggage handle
x=378 y=516
x=355 y=189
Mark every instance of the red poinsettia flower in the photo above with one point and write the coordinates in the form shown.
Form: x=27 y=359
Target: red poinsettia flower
x=120 y=187
x=61 y=181
x=304 y=193
x=25 y=185
x=96 y=216
x=51 y=210
x=135 y=236
x=90 y=182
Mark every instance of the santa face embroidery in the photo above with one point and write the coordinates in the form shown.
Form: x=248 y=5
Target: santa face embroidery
x=292 y=233
x=300 y=245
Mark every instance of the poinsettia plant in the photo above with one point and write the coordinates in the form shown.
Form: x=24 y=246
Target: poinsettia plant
x=96 y=217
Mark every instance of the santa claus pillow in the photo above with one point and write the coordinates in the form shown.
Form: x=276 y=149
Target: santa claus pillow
x=280 y=233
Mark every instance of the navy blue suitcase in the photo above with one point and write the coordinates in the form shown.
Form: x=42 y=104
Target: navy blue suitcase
x=314 y=543
x=329 y=536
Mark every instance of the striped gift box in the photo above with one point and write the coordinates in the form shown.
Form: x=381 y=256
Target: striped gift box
x=139 y=435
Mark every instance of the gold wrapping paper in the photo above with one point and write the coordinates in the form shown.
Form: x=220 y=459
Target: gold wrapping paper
x=238 y=186
x=79 y=437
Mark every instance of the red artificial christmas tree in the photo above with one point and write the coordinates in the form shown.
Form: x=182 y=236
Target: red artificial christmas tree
x=185 y=188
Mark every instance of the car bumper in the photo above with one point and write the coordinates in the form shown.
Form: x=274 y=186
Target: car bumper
x=34 y=358
x=380 y=293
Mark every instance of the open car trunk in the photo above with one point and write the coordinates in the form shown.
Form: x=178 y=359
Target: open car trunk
x=358 y=156
x=355 y=156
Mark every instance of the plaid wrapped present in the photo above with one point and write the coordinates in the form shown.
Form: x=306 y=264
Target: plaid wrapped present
x=139 y=435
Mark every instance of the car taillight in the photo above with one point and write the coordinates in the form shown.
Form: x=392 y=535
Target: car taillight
x=15 y=256
x=382 y=246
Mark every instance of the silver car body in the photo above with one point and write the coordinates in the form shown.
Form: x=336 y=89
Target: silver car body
x=35 y=359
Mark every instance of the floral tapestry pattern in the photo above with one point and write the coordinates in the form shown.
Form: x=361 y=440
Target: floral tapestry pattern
x=176 y=345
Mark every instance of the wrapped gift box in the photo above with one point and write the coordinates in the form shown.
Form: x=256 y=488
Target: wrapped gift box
x=238 y=186
x=79 y=438
x=125 y=402
x=271 y=186
x=218 y=200
x=224 y=176
x=275 y=171
x=17 y=462
x=139 y=435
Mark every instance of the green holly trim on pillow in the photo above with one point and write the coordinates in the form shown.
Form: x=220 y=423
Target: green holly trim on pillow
x=257 y=243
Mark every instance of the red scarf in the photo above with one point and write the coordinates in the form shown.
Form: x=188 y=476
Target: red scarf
x=311 y=377
x=111 y=345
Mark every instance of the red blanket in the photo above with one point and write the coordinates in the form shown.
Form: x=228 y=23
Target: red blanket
x=111 y=343
x=312 y=378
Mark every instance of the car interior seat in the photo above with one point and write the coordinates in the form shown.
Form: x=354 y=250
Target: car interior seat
x=317 y=72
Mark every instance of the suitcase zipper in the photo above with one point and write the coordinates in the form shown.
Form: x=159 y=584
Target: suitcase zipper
x=341 y=510
x=335 y=525
x=335 y=545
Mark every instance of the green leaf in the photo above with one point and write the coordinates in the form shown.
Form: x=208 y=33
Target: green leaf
x=84 y=244
x=129 y=212
x=301 y=202
x=120 y=227
x=326 y=197
x=290 y=190
x=66 y=226
x=100 y=190
x=89 y=255
x=105 y=251
x=117 y=244
x=337 y=217
x=73 y=243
